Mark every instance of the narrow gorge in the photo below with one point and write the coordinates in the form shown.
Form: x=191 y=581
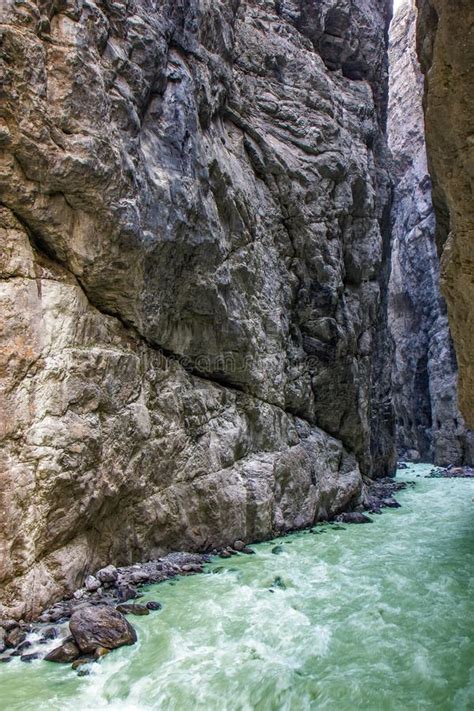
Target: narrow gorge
x=196 y=230
x=236 y=280
x=424 y=383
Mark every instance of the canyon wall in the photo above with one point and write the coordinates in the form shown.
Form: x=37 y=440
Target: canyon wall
x=195 y=236
x=445 y=40
x=429 y=425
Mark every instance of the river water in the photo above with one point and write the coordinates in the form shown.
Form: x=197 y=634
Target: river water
x=374 y=617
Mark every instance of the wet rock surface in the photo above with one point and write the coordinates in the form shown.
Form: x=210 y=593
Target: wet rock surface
x=194 y=248
x=100 y=626
x=64 y=654
x=452 y=472
x=429 y=424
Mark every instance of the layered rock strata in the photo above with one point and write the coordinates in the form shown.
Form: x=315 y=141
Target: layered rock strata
x=446 y=50
x=194 y=259
x=429 y=424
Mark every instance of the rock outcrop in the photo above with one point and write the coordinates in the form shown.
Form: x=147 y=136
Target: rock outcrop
x=429 y=425
x=446 y=50
x=194 y=260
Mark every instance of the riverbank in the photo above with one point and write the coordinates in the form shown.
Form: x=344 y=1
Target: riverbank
x=337 y=617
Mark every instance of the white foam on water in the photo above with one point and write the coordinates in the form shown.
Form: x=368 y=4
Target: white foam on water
x=372 y=617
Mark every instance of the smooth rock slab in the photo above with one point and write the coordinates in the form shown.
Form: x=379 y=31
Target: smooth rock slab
x=100 y=626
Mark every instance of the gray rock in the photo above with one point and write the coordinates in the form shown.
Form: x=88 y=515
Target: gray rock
x=30 y=657
x=50 y=633
x=154 y=605
x=139 y=577
x=353 y=517
x=100 y=626
x=91 y=583
x=108 y=574
x=239 y=546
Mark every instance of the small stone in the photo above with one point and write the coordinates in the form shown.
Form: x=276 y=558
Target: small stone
x=91 y=583
x=154 y=605
x=78 y=594
x=133 y=609
x=353 y=517
x=248 y=551
x=30 y=657
x=225 y=554
x=390 y=503
x=5 y=660
x=64 y=654
x=277 y=550
x=50 y=633
x=126 y=592
x=139 y=577
x=239 y=546
x=108 y=575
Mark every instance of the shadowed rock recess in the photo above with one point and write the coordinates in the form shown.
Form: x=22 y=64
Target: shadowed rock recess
x=429 y=425
x=194 y=254
x=445 y=39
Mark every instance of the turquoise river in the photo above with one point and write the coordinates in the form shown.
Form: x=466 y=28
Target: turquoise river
x=374 y=617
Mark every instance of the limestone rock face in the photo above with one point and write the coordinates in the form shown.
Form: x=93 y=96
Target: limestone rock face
x=429 y=425
x=446 y=50
x=194 y=259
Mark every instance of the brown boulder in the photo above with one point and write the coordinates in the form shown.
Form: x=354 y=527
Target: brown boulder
x=67 y=652
x=100 y=626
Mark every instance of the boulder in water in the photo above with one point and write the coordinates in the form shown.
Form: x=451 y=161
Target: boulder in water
x=154 y=605
x=67 y=652
x=107 y=575
x=14 y=637
x=353 y=517
x=91 y=583
x=100 y=626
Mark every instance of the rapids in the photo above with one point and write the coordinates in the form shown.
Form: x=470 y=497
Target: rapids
x=374 y=617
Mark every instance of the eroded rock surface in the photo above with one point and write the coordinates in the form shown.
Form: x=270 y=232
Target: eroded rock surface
x=429 y=424
x=446 y=50
x=194 y=259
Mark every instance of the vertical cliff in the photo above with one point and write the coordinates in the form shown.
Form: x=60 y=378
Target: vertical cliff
x=194 y=264
x=445 y=40
x=429 y=425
